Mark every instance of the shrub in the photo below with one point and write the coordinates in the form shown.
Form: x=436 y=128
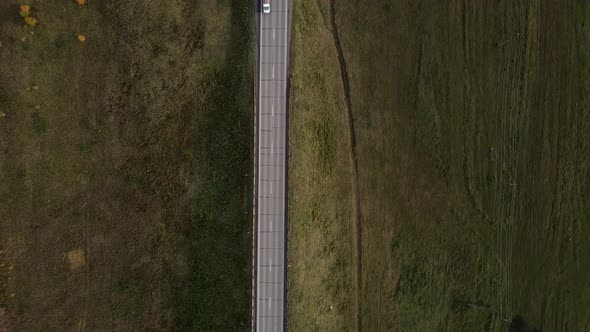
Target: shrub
x=24 y=10
x=31 y=21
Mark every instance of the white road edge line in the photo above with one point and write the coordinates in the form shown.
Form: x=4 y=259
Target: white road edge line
x=257 y=323
x=286 y=40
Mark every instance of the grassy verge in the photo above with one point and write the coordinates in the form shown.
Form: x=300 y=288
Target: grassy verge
x=473 y=162
x=125 y=189
x=320 y=252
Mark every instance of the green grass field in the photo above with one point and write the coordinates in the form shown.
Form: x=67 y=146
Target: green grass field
x=125 y=166
x=473 y=148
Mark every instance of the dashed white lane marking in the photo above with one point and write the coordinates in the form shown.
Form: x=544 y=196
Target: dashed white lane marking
x=272 y=109
x=272 y=150
x=273 y=34
x=273 y=71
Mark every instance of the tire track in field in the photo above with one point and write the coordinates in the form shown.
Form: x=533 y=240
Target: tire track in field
x=513 y=50
x=356 y=199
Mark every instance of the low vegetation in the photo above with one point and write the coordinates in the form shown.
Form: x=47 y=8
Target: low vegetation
x=473 y=153
x=321 y=273
x=125 y=187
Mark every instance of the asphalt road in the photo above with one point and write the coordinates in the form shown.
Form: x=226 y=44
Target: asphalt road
x=273 y=42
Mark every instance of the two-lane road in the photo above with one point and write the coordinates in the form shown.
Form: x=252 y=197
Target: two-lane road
x=271 y=164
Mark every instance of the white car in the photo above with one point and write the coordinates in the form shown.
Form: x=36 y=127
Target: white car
x=266 y=7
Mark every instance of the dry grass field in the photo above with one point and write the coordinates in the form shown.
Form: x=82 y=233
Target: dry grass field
x=473 y=143
x=125 y=165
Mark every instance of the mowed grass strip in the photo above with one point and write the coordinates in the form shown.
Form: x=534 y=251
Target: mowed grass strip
x=320 y=279
x=473 y=160
x=125 y=187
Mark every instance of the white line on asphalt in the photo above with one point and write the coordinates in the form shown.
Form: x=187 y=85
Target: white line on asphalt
x=273 y=34
x=272 y=149
x=273 y=71
x=259 y=324
x=272 y=109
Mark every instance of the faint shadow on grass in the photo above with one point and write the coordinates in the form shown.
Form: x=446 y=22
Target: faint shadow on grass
x=218 y=295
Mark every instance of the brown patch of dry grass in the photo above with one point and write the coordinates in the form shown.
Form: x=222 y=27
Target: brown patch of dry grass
x=76 y=258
